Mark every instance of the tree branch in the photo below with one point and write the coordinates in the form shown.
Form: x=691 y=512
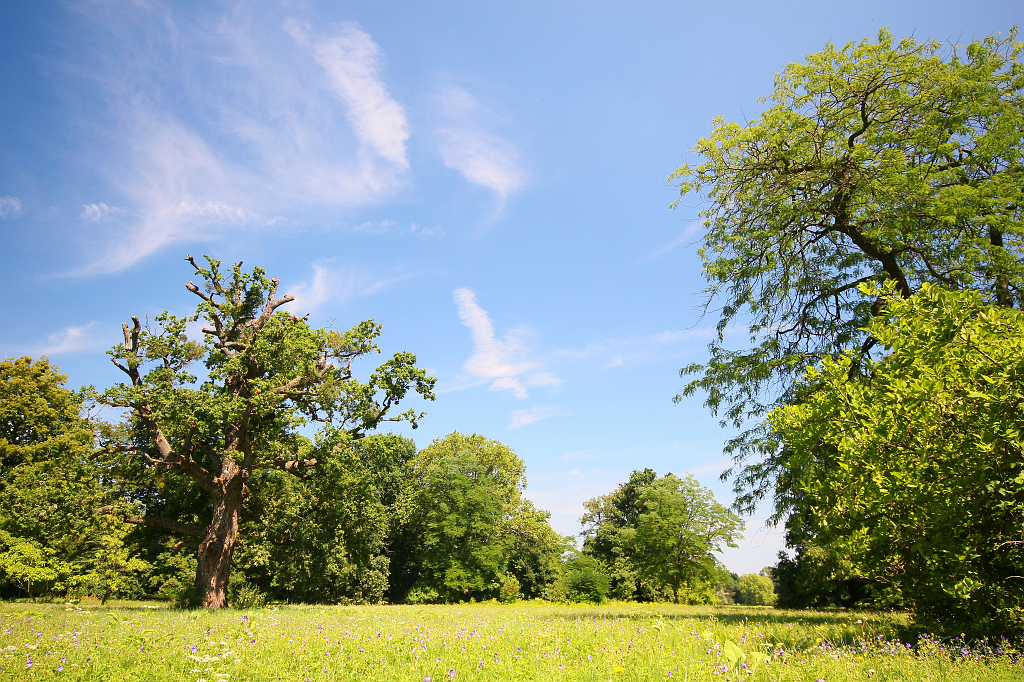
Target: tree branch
x=176 y=526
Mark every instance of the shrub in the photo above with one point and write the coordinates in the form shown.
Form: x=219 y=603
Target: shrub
x=585 y=582
x=509 y=590
x=755 y=590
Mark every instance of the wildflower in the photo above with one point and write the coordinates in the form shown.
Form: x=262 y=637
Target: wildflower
x=451 y=673
x=618 y=669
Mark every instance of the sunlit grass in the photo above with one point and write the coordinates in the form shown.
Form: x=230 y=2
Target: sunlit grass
x=528 y=641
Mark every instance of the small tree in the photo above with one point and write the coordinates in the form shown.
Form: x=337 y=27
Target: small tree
x=268 y=374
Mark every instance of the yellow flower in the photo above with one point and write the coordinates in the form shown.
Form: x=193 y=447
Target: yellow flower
x=619 y=669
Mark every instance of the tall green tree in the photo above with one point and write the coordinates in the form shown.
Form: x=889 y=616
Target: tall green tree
x=324 y=539
x=656 y=534
x=608 y=522
x=268 y=373
x=887 y=160
x=923 y=488
x=678 y=531
x=466 y=529
x=50 y=483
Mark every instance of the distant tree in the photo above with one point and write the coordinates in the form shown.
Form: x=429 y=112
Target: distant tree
x=923 y=488
x=268 y=373
x=608 y=522
x=679 y=529
x=755 y=590
x=323 y=539
x=655 y=534
x=466 y=530
x=585 y=580
x=876 y=161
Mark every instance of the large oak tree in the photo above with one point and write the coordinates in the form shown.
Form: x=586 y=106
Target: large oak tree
x=267 y=374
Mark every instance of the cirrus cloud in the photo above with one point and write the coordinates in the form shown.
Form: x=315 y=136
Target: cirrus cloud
x=498 y=360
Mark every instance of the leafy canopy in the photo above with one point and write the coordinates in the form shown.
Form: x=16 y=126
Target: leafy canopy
x=876 y=161
x=919 y=466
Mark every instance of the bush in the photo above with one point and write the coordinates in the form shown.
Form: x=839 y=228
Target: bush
x=755 y=590
x=585 y=582
x=509 y=590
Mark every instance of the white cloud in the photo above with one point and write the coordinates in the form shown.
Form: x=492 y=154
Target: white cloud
x=376 y=227
x=467 y=146
x=534 y=414
x=382 y=227
x=95 y=212
x=543 y=379
x=10 y=207
x=336 y=285
x=493 y=359
x=71 y=340
x=579 y=455
x=220 y=127
x=352 y=62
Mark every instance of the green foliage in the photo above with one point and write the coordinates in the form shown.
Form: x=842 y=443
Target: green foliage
x=656 y=534
x=322 y=539
x=51 y=484
x=608 y=523
x=196 y=449
x=466 y=532
x=755 y=590
x=585 y=581
x=462 y=490
x=875 y=161
x=509 y=592
x=680 y=526
x=923 y=484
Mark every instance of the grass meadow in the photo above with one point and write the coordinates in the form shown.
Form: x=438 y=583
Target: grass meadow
x=525 y=641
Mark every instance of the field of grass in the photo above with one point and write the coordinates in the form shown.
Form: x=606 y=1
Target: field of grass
x=527 y=641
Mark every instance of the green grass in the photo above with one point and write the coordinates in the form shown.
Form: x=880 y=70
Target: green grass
x=528 y=641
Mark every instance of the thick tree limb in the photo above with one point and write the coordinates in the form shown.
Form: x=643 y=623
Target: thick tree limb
x=296 y=467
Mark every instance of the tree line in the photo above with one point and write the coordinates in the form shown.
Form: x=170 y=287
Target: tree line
x=213 y=489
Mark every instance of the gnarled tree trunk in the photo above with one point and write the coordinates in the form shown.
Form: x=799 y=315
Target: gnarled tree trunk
x=218 y=543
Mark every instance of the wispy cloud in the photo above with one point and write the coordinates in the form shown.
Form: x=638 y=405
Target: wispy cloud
x=351 y=61
x=644 y=348
x=466 y=145
x=223 y=127
x=71 y=340
x=336 y=285
x=382 y=227
x=497 y=360
x=579 y=455
x=535 y=414
x=93 y=213
x=10 y=207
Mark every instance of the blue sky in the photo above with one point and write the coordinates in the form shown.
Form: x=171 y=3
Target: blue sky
x=486 y=180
